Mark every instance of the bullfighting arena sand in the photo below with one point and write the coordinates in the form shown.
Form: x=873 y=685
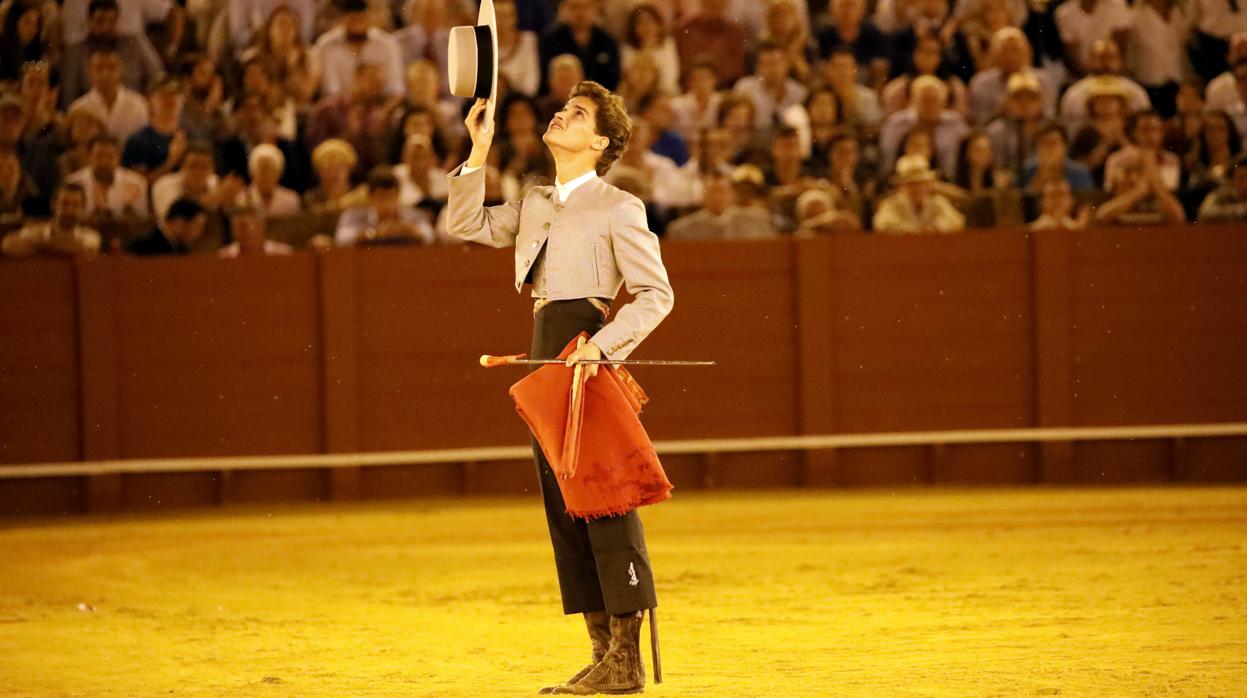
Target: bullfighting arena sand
x=1040 y=592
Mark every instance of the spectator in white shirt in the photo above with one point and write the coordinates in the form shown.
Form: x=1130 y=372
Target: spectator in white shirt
x=250 y=232
x=698 y=107
x=266 y=165
x=122 y=110
x=63 y=236
x=1228 y=92
x=426 y=33
x=1106 y=68
x=340 y=52
x=1147 y=132
x=111 y=190
x=1157 y=49
x=770 y=88
x=1217 y=22
x=197 y=179
x=1083 y=22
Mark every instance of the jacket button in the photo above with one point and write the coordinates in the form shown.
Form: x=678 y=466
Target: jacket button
x=534 y=243
x=546 y=225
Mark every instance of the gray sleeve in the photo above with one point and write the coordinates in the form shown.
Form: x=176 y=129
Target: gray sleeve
x=468 y=218
x=645 y=277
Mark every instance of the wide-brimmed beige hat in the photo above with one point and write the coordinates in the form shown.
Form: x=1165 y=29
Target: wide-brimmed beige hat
x=472 y=60
x=913 y=168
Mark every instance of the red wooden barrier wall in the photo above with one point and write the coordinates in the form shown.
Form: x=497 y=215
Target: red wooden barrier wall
x=366 y=350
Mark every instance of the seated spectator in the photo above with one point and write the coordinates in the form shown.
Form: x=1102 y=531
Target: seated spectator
x=122 y=110
x=1228 y=203
x=977 y=171
x=250 y=21
x=1105 y=134
x=787 y=176
x=657 y=112
x=1228 y=92
x=249 y=228
x=1141 y=196
x=647 y=33
x=256 y=80
x=424 y=92
x=931 y=18
x=1057 y=208
x=253 y=126
x=928 y=59
x=1013 y=132
x=1146 y=131
x=1083 y=23
x=577 y=33
x=817 y=215
x=1183 y=128
x=81 y=128
x=202 y=116
x=928 y=99
x=562 y=74
x=341 y=51
x=1105 y=77
x=848 y=29
x=640 y=81
x=519 y=60
x=769 y=88
x=784 y=24
x=265 y=195
x=196 y=179
x=915 y=207
x=18 y=194
x=1222 y=91
x=1010 y=53
x=719 y=218
x=35 y=89
x=660 y=175
x=1052 y=162
x=157 y=149
x=851 y=184
x=23 y=39
x=1218 y=21
x=712 y=34
x=736 y=119
x=425 y=35
x=420 y=178
x=138 y=64
x=334 y=160
x=182 y=227
x=860 y=104
x=63 y=236
x=1212 y=151
x=281 y=44
x=524 y=159
x=363 y=117
x=817 y=121
x=698 y=107
x=111 y=190
x=383 y=221
x=979 y=22
x=1157 y=50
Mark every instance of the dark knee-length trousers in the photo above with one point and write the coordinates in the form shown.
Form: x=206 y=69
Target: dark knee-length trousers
x=602 y=564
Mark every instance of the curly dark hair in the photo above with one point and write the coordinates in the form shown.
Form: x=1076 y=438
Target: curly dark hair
x=612 y=121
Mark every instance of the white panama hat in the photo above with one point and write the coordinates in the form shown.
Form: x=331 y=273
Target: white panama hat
x=472 y=60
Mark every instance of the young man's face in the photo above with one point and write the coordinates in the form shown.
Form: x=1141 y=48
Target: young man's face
x=69 y=206
x=105 y=157
x=573 y=128
x=104 y=70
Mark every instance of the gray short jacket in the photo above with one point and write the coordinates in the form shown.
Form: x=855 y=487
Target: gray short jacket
x=594 y=243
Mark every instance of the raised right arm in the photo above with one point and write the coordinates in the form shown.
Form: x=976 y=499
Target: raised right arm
x=467 y=216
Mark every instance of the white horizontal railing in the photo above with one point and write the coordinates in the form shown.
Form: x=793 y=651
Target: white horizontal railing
x=752 y=444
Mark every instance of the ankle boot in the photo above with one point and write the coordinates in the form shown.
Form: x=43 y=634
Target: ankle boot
x=598 y=623
x=621 y=669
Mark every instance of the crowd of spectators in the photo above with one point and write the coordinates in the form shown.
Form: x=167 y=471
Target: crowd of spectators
x=160 y=127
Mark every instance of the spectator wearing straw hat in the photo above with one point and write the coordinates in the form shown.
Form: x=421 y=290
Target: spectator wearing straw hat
x=334 y=160
x=915 y=206
x=1106 y=77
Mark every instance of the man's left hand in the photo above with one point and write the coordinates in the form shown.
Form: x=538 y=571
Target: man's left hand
x=589 y=352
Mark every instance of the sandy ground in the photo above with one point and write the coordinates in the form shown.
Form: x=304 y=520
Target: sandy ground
x=1129 y=592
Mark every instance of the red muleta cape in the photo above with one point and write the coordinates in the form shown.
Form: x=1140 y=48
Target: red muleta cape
x=594 y=437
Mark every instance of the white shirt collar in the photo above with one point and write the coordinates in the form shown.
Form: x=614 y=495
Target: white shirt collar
x=565 y=190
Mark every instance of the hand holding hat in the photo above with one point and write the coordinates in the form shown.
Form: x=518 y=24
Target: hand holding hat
x=472 y=65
